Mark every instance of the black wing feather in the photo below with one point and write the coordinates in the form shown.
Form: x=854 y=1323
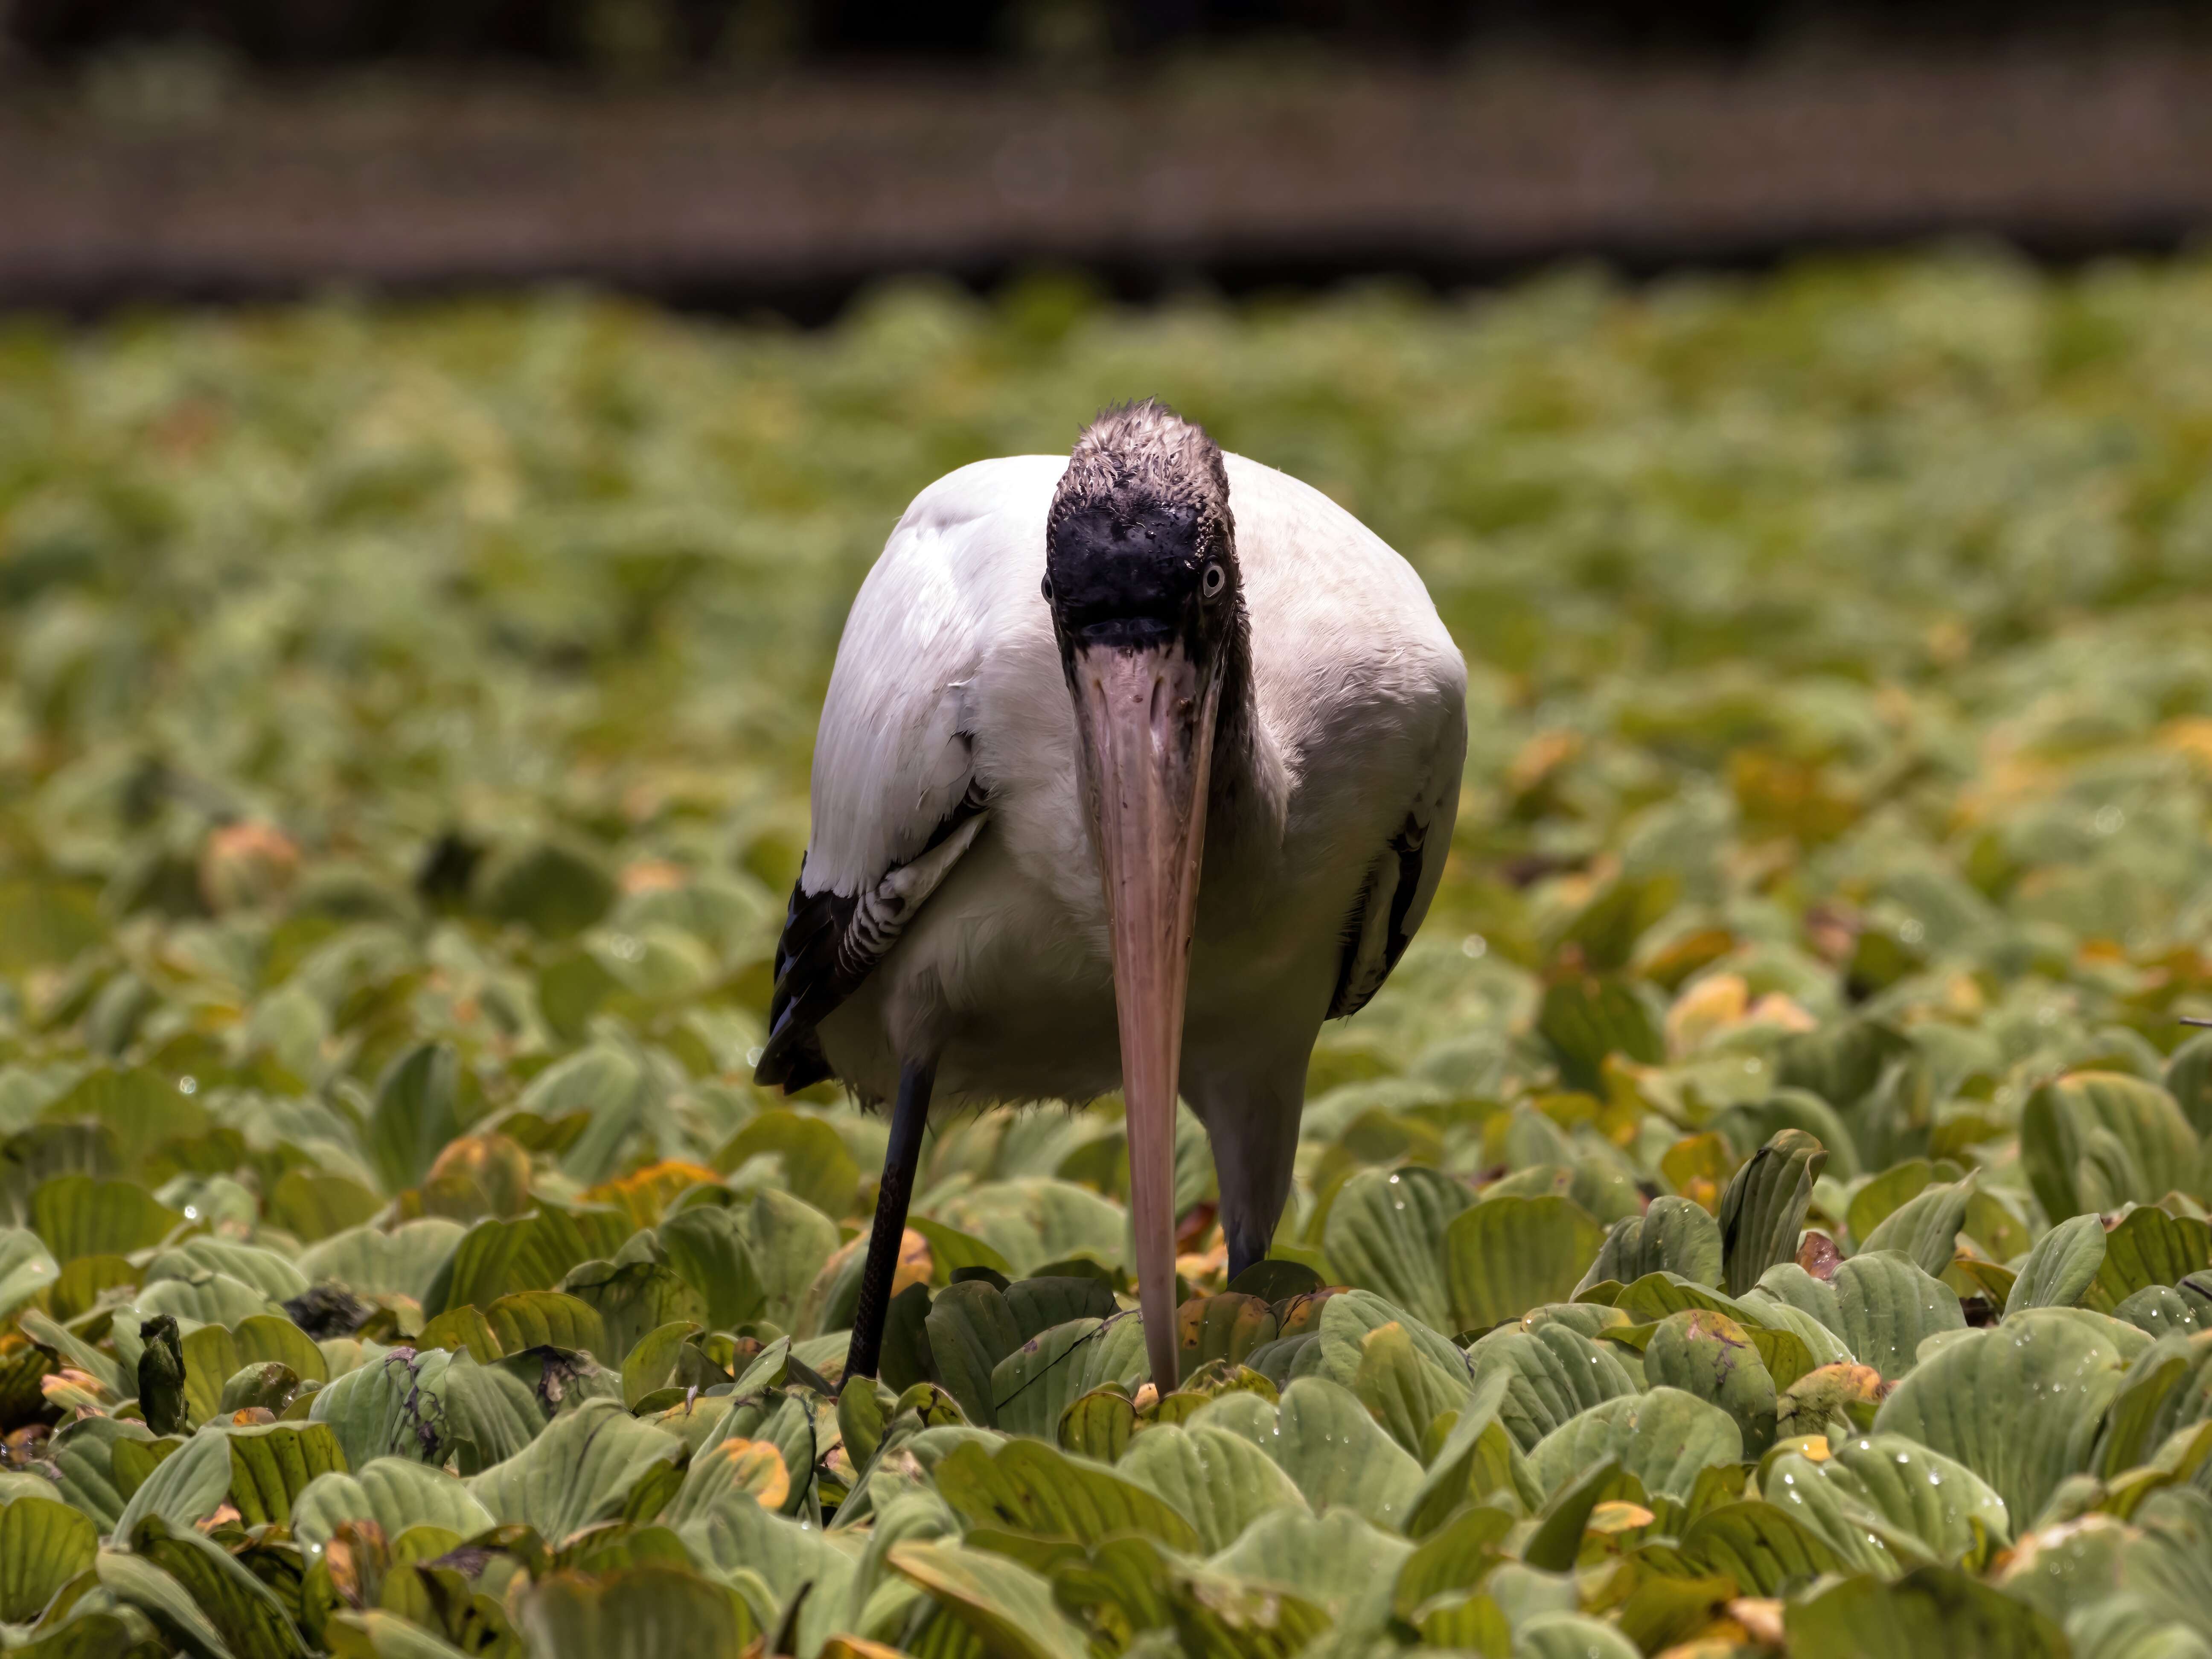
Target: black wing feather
x=832 y=942
x=1406 y=846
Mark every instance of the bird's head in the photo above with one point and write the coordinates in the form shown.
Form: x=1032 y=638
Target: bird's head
x=1141 y=577
x=1141 y=550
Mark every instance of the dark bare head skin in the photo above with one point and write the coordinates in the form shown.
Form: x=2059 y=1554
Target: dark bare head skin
x=1139 y=545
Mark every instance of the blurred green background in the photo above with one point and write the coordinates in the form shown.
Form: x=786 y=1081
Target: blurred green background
x=1851 y=617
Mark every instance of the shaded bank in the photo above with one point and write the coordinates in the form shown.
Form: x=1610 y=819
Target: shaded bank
x=789 y=194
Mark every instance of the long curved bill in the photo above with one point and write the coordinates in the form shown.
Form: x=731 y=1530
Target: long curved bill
x=1147 y=715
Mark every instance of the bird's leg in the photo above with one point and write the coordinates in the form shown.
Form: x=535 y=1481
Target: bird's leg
x=1247 y=1245
x=910 y=1114
x=1251 y=1117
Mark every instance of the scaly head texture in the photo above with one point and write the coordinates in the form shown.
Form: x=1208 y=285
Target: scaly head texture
x=1143 y=457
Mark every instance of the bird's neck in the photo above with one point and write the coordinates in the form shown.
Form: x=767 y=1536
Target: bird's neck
x=1248 y=801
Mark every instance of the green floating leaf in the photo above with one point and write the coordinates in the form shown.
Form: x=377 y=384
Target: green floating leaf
x=1098 y=1426
x=1666 y=1609
x=1663 y=1437
x=393 y=1406
x=951 y=1250
x=1709 y=1355
x=535 y=1252
x=1009 y=1608
x=1760 y=1545
x=312 y=1206
x=744 y=1538
x=1882 y=1307
x=579 y=1471
x=705 y=1247
x=1478 y=1460
x=817 y=1168
x=635 y=1613
x=631 y=1300
x=84 y=1454
x=1672 y=1236
x=1763 y=1210
x=790 y=1240
x=2166 y=1388
x=395 y=1493
x=2061 y=1268
x=1038 y=1304
x=1334 y=1451
x=273 y=1275
x=213 y=1354
x=1656 y=1296
x=2148 y=1248
x=1219 y=1482
x=272 y=1464
x=1554 y=1371
x=247 y=1615
x=1506 y=1255
x=1882 y=1195
x=205 y=1299
x=669 y=1358
x=27 y=1267
x=1557 y=1540
x=971 y=1330
x=1924 y=1229
x=2162 y=1311
x=554 y=888
x=373 y=1633
x=1227 y=1328
x=1030 y=1487
x=2020 y=1404
x=1336 y=1560
x=1403 y=1390
x=1345 y=1320
x=2158 y=1569
x=1570 y=1635
x=732 y=1471
x=546 y=1319
x=1918 y=1492
x=1033 y=1386
x=73 y=1350
x=489 y=1413
x=404 y=1262
x=187 y=1487
x=2095 y=1140
x=414 y=1115
x=1456 y=1557
x=1585 y=1019
x=77 y=1215
x=1386 y=1231
x=905 y=1359
x=43 y=1546
x=1933 y=1610
x=462 y=1329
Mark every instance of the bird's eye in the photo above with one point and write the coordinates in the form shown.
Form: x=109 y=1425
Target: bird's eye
x=1045 y=588
x=1213 y=581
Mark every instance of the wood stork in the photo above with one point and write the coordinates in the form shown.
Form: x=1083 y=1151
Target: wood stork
x=1151 y=729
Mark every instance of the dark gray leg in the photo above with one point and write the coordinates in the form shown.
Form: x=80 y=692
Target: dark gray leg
x=1251 y=1117
x=909 y=1114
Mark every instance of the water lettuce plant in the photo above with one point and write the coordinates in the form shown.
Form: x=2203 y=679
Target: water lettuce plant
x=1766 y=1212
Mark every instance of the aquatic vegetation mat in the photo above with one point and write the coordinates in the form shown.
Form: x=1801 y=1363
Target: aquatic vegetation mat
x=1766 y=1211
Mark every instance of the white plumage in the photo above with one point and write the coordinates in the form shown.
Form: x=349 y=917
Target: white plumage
x=1134 y=767
x=948 y=673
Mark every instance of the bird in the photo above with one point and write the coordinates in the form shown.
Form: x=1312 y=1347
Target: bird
x=1135 y=766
